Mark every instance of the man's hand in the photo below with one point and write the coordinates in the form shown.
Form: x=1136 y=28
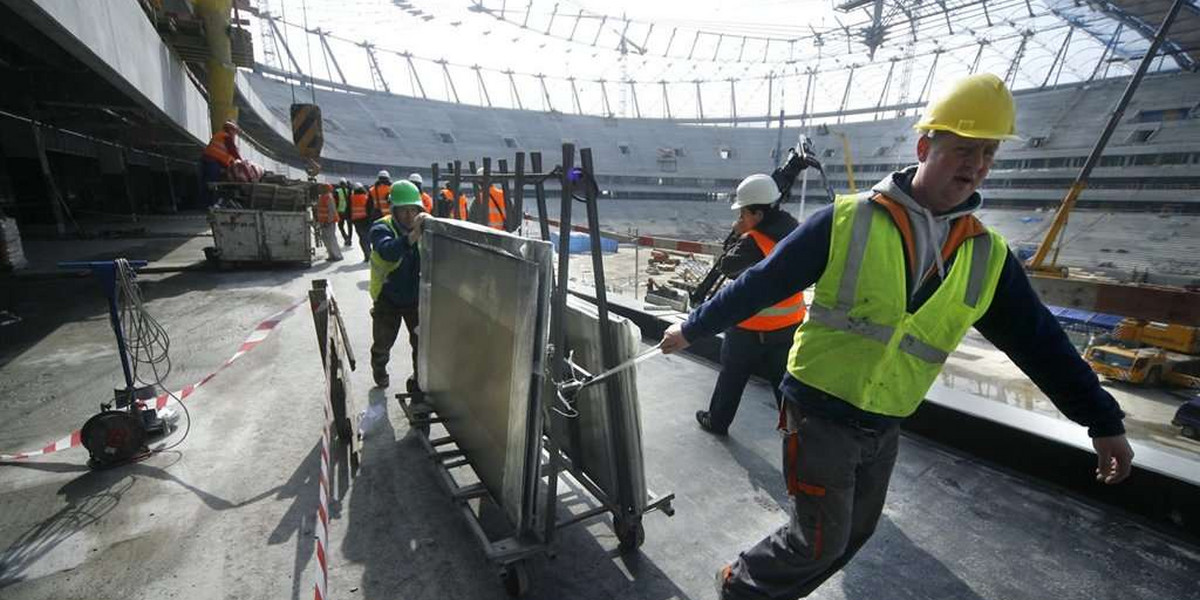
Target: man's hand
x=673 y=340
x=414 y=234
x=1114 y=458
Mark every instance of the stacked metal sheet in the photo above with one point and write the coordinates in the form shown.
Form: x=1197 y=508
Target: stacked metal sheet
x=484 y=327
x=12 y=256
x=604 y=438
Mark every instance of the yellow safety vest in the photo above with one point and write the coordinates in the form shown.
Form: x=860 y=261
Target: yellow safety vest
x=860 y=343
x=381 y=268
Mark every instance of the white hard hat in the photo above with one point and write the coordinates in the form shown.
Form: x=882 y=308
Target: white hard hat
x=479 y=171
x=384 y=174
x=416 y=178
x=755 y=189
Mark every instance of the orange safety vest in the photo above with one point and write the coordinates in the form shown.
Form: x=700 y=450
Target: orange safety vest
x=216 y=149
x=463 y=211
x=382 y=193
x=358 y=206
x=427 y=202
x=496 y=209
x=784 y=314
x=327 y=209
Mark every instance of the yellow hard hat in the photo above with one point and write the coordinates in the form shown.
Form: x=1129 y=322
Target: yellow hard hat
x=979 y=106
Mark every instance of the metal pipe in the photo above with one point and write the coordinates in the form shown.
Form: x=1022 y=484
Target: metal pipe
x=1060 y=218
x=539 y=190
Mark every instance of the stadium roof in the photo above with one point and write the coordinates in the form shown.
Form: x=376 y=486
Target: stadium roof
x=705 y=58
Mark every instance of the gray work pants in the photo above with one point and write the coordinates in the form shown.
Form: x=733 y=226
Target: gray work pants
x=329 y=237
x=837 y=476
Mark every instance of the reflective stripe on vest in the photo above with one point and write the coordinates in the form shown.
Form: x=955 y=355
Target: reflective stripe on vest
x=787 y=313
x=859 y=343
x=381 y=193
x=216 y=149
x=326 y=209
x=380 y=268
x=358 y=207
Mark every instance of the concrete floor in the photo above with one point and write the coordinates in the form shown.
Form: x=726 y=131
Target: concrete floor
x=229 y=514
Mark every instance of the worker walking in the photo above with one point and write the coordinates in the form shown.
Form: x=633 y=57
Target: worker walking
x=380 y=193
x=360 y=218
x=497 y=209
x=901 y=273
x=426 y=201
x=395 y=275
x=764 y=339
x=343 y=207
x=327 y=218
x=220 y=152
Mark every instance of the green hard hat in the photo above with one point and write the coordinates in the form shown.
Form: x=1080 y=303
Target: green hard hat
x=405 y=193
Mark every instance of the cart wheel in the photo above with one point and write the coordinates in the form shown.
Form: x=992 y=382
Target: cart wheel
x=630 y=533
x=516 y=579
x=1188 y=431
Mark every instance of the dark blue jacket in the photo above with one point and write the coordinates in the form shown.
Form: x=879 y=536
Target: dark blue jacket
x=402 y=284
x=1017 y=323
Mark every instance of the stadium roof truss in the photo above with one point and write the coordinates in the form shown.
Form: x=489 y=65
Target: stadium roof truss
x=881 y=56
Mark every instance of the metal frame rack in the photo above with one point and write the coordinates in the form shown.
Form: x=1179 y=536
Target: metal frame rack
x=536 y=537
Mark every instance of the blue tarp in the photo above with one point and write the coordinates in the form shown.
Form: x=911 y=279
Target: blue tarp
x=580 y=242
x=1077 y=316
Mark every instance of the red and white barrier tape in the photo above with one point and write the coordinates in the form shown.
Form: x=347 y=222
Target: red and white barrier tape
x=260 y=333
x=687 y=246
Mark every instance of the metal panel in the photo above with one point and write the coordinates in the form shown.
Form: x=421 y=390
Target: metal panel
x=589 y=439
x=287 y=235
x=484 y=314
x=235 y=233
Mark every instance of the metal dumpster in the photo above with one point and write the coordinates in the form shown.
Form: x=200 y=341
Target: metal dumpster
x=261 y=236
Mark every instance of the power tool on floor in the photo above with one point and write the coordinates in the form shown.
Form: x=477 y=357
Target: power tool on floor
x=120 y=431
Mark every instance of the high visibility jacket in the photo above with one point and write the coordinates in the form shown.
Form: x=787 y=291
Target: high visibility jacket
x=860 y=343
x=326 y=209
x=496 y=210
x=783 y=314
x=427 y=202
x=218 y=149
x=342 y=195
x=380 y=268
x=381 y=193
x=463 y=213
x=358 y=206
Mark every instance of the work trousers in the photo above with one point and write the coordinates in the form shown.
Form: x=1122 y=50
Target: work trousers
x=329 y=238
x=363 y=229
x=837 y=477
x=742 y=353
x=385 y=326
x=346 y=229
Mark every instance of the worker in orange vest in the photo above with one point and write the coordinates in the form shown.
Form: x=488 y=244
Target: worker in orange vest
x=218 y=155
x=360 y=218
x=497 y=209
x=454 y=210
x=381 y=206
x=426 y=200
x=765 y=338
x=327 y=218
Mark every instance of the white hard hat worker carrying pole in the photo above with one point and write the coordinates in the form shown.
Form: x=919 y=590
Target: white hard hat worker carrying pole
x=763 y=340
x=900 y=273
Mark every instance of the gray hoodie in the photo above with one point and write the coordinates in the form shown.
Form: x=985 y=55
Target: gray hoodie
x=929 y=230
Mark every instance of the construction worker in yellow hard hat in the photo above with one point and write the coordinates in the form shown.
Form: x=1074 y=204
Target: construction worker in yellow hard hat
x=901 y=272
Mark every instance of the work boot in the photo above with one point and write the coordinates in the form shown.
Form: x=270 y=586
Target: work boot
x=382 y=380
x=705 y=421
x=722 y=580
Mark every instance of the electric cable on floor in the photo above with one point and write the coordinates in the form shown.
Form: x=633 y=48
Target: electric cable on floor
x=146 y=342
